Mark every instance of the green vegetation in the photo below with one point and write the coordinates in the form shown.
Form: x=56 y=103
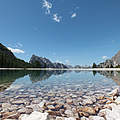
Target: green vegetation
x=118 y=66
x=8 y=60
x=94 y=73
x=94 y=65
x=36 y=64
x=7 y=77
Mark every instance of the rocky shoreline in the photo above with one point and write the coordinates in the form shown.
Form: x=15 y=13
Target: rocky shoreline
x=67 y=105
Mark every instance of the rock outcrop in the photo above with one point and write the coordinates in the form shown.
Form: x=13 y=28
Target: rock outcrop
x=113 y=62
x=42 y=62
x=45 y=63
x=116 y=59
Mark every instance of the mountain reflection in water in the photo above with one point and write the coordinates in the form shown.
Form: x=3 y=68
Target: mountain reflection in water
x=114 y=75
x=7 y=77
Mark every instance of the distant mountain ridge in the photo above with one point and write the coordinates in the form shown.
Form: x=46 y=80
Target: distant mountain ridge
x=116 y=59
x=45 y=63
x=9 y=60
x=110 y=63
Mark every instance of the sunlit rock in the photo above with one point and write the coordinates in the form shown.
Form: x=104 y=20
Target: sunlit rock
x=34 y=116
x=96 y=118
x=118 y=100
x=114 y=92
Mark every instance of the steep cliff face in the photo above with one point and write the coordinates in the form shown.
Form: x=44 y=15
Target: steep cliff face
x=45 y=63
x=116 y=59
x=113 y=62
x=41 y=62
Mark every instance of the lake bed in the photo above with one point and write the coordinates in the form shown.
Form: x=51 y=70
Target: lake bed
x=62 y=94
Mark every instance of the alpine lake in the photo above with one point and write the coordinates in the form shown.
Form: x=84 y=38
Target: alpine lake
x=61 y=93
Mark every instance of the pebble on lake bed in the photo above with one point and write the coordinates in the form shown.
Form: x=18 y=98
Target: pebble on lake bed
x=67 y=105
x=34 y=116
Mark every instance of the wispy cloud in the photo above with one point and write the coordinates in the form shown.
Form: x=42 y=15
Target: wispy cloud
x=57 y=18
x=73 y=15
x=47 y=5
x=58 y=61
x=19 y=45
x=104 y=57
x=16 y=50
x=67 y=62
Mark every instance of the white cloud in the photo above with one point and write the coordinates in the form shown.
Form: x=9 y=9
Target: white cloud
x=16 y=50
x=58 y=61
x=47 y=5
x=73 y=15
x=104 y=57
x=56 y=18
x=67 y=62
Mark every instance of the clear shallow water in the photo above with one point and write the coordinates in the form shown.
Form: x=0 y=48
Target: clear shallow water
x=58 y=80
x=64 y=90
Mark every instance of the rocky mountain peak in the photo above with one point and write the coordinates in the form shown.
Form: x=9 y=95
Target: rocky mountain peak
x=45 y=63
x=116 y=59
x=113 y=62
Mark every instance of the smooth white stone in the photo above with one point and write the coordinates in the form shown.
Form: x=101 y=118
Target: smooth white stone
x=96 y=118
x=35 y=116
x=118 y=100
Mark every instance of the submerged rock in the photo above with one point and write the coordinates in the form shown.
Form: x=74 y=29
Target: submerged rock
x=18 y=102
x=69 y=113
x=70 y=118
x=118 y=100
x=113 y=114
x=87 y=101
x=41 y=104
x=89 y=110
x=115 y=92
x=96 y=118
x=10 y=115
x=6 y=106
x=34 y=116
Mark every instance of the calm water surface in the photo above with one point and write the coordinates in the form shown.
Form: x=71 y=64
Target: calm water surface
x=57 y=81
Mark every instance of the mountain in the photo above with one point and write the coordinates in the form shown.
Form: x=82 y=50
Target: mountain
x=110 y=63
x=41 y=62
x=44 y=74
x=4 y=50
x=59 y=65
x=8 y=59
x=116 y=59
x=77 y=66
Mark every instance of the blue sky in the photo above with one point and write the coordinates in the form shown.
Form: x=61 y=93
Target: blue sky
x=70 y=31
